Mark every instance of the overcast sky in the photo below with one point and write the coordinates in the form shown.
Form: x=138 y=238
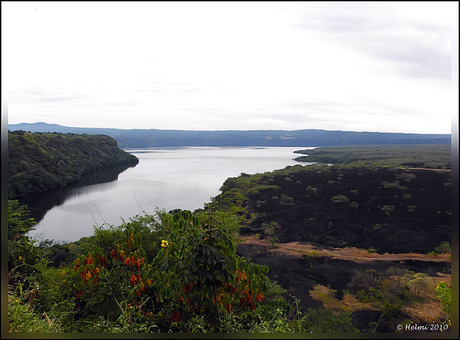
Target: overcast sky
x=372 y=66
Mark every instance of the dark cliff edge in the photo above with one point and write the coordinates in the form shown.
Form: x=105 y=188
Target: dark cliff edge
x=38 y=162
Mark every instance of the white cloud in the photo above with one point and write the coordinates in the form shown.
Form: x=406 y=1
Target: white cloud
x=261 y=65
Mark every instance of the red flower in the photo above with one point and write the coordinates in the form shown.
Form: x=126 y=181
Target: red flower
x=133 y=280
x=176 y=316
x=259 y=297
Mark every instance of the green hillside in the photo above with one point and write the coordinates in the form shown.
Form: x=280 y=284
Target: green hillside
x=42 y=161
x=436 y=156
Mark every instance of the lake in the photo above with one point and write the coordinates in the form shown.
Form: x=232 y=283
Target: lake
x=167 y=178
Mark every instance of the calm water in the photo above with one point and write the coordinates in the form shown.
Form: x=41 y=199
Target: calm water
x=166 y=178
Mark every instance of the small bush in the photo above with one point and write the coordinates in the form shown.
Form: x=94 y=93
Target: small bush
x=286 y=199
x=324 y=320
x=340 y=199
x=387 y=209
x=23 y=320
x=443 y=248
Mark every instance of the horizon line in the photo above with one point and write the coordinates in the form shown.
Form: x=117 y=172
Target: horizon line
x=287 y=130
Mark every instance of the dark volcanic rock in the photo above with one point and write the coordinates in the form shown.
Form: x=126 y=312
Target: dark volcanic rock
x=390 y=210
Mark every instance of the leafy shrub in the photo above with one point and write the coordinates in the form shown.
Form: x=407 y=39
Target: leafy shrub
x=194 y=274
x=313 y=253
x=23 y=320
x=443 y=293
x=20 y=247
x=387 y=209
x=419 y=283
x=324 y=320
x=340 y=199
x=311 y=190
x=393 y=185
x=286 y=199
x=443 y=248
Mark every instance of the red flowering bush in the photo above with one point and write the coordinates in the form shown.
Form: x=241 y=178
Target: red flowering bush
x=195 y=272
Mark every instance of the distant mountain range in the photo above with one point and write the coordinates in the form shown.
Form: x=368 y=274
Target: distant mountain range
x=138 y=138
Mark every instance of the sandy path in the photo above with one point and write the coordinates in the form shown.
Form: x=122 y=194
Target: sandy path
x=348 y=253
x=431 y=169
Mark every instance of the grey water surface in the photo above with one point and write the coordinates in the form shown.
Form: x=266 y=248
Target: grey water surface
x=167 y=178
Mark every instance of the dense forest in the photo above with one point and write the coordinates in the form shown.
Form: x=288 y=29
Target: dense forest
x=437 y=156
x=358 y=246
x=139 y=138
x=43 y=161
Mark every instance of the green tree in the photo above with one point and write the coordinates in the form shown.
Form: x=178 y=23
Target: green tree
x=444 y=294
x=419 y=283
x=21 y=250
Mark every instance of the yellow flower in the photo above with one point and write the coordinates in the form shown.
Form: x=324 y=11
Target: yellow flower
x=164 y=243
x=20 y=258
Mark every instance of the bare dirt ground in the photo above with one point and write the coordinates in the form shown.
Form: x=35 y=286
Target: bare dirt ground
x=432 y=169
x=349 y=253
x=318 y=276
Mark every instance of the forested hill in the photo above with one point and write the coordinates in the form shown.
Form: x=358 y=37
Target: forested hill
x=137 y=138
x=42 y=161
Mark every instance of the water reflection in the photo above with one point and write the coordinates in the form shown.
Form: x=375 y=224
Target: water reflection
x=40 y=203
